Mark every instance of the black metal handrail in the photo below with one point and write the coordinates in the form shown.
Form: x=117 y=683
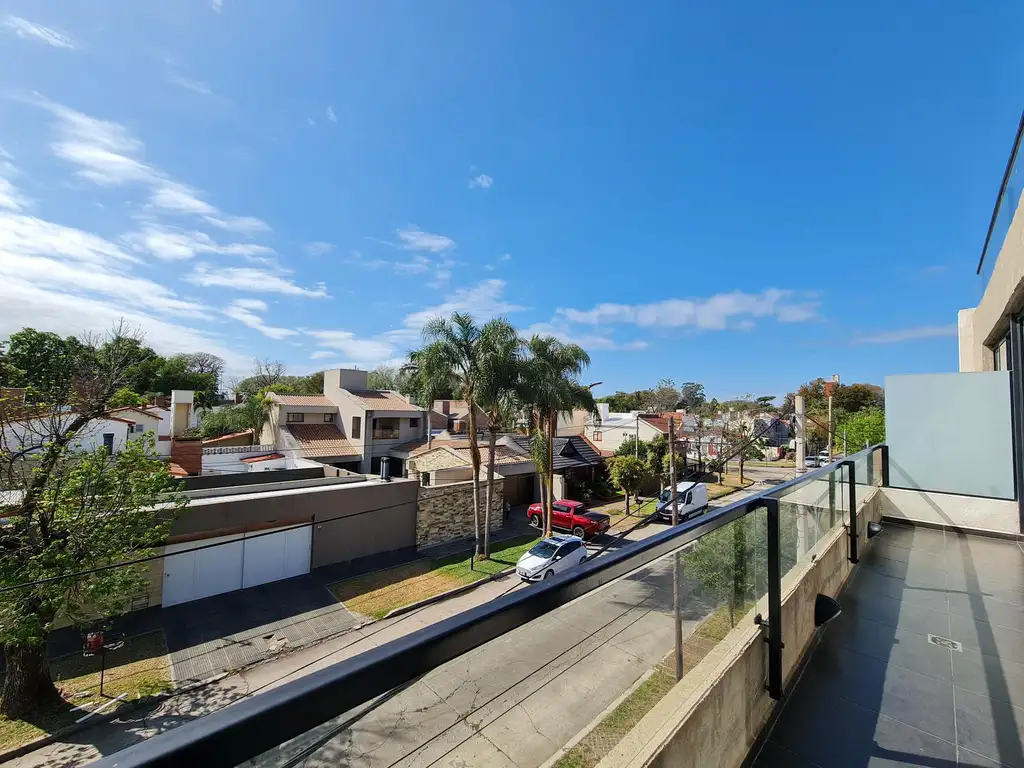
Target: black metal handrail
x=252 y=726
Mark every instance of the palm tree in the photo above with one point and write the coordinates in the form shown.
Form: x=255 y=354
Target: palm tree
x=460 y=358
x=497 y=395
x=551 y=387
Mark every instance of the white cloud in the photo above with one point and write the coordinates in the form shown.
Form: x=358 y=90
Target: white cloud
x=217 y=5
x=483 y=181
x=323 y=354
x=196 y=86
x=27 y=235
x=442 y=274
x=331 y=116
x=505 y=257
x=249 y=279
x=716 y=312
x=483 y=300
x=173 y=244
x=415 y=239
x=106 y=154
x=254 y=305
x=588 y=341
x=319 y=248
x=249 y=318
x=10 y=198
x=29 y=30
x=909 y=334
x=352 y=346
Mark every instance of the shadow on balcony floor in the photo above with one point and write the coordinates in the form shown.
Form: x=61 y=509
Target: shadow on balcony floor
x=886 y=687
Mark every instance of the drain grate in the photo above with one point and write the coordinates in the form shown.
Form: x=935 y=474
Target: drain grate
x=945 y=642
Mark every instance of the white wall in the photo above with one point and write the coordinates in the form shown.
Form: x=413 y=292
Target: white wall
x=949 y=509
x=89 y=438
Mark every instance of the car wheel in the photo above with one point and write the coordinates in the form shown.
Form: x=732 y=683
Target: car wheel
x=548 y=575
x=578 y=531
x=535 y=521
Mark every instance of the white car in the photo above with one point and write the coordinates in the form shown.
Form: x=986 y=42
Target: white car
x=551 y=556
x=811 y=461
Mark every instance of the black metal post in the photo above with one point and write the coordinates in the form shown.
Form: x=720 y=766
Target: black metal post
x=851 y=476
x=871 y=469
x=774 y=600
x=103 y=667
x=885 y=465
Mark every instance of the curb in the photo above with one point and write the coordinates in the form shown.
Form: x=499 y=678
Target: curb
x=445 y=595
x=131 y=706
x=597 y=720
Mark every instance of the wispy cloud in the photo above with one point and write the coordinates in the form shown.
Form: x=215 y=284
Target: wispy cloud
x=107 y=154
x=29 y=30
x=351 y=345
x=323 y=354
x=319 y=248
x=483 y=181
x=244 y=311
x=717 y=312
x=217 y=5
x=908 y=334
x=505 y=257
x=196 y=86
x=331 y=116
x=588 y=341
x=251 y=279
x=413 y=238
x=174 y=244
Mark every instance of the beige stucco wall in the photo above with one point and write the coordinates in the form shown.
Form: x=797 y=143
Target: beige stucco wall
x=714 y=714
x=446 y=512
x=1004 y=295
x=999 y=515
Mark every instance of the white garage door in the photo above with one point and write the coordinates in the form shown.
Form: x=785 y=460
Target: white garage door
x=236 y=563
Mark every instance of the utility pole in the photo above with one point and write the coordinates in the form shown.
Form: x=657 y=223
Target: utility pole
x=636 y=444
x=677 y=565
x=801 y=431
x=830 y=387
x=844 y=443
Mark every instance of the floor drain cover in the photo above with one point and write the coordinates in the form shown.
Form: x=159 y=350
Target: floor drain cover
x=945 y=642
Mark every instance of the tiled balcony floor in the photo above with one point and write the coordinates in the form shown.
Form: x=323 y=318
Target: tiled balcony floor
x=877 y=692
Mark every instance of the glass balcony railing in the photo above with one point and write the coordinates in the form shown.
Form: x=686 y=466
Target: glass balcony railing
x=555 y=673
x=1006 y=207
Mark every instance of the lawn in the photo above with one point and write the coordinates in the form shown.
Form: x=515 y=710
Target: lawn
x=729 y=484
x=140 y=668
x=377 y=594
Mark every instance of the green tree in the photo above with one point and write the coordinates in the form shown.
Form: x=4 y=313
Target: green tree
x=628 y=473
x=630 y=447
x=48 y=362
x=691 y=396
x=10 y=375
x=177 y=373
x=551 y=387
x=622 y=402
x=126 y=397
x=866 y=427
x=727 y=563
x=497 y=393
x=663 y=397
x=71 y=511
x=228 y=420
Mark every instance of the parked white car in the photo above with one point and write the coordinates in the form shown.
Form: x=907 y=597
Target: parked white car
x=551 y=556
x=811 y=461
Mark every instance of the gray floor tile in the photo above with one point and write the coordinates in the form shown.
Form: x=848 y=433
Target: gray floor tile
x=896 y=613
x=970 y=759
x=917 y=573
x=889 y=644
x=774 y=756
x=989 y=675
x=921 y=539
x=897 y=744
x=981 y=608
x=869 y=582
x=991 y=639
x=994 y=729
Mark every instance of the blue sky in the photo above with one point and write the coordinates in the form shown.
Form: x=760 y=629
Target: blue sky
x=747 y=195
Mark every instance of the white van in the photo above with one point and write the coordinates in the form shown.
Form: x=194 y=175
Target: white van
x=693 y=501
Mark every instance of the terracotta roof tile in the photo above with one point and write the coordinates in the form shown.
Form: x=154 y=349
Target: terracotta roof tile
x=143 y=411
x=319 y=440
x=384 y=400
x=303 y=400
x=266 y=457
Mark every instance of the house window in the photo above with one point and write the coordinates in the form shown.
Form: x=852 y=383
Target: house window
x=328 y=418
x=357 y=427
x=597 y=437
x=108 y=442
x=385 y=429
x=414 y=423
x=139 y=428
x=296 y=418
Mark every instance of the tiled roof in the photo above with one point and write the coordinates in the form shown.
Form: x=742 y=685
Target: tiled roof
x=231 y=436
x=176 y=469
x=143 y=411
x=416 y=447
x=318 y=440
x=384 y=400
x=303 y=400
x=266 y=457
x=567 y=451
x=660 y=422
x=502 y=455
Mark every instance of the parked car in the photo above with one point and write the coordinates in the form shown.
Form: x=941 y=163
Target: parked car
x=551 y=556
x=569 y=515
x=823 y=458
x=811 y=461
x=693 y=501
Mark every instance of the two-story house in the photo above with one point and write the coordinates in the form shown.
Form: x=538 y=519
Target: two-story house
x=349 y=426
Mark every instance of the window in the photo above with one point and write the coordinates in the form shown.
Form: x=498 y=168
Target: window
x=296 y=418
x=597 y=437
x=139 y=428
x=357 y=427
x=559 y=508
x=689 y=498
x=424 y=478
x=108 y=442
x=414 y=423
x=385 y=429
x=570 y=546
x=328 y=418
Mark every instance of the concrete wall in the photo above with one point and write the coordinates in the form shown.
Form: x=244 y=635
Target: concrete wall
x=202 y=482
x=446 y=512
x=950 y=432
x=715 y=713
x=947 y=509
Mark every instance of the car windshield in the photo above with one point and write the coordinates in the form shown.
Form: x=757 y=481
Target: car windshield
x=545 y=549
x=665 y=495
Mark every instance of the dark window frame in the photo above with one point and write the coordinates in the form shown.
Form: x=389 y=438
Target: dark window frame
x=328 y=418
x=357 y=427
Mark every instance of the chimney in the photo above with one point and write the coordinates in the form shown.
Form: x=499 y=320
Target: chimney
x=603 y=409
x=446 y=407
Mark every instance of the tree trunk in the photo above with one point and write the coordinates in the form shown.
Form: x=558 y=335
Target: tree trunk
x=490 y=490
x=474 y=462
x=27 y=685
x=552 y=420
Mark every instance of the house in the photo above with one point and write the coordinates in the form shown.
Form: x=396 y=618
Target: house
x=573 y=423
x=147 y=423
x=608 y=430
x=31 y=433
x=349 y=426
x=448 y=461
x=456 y=415
x=575 y=460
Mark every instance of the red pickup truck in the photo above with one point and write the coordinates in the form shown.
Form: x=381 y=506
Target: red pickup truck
x=569 y=515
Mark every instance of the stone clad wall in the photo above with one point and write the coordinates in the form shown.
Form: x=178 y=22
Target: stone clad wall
x=445 y=512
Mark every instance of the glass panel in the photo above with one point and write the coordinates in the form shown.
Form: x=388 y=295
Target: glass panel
x=808 y=514
x=1007 y=207
x=523 y=697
